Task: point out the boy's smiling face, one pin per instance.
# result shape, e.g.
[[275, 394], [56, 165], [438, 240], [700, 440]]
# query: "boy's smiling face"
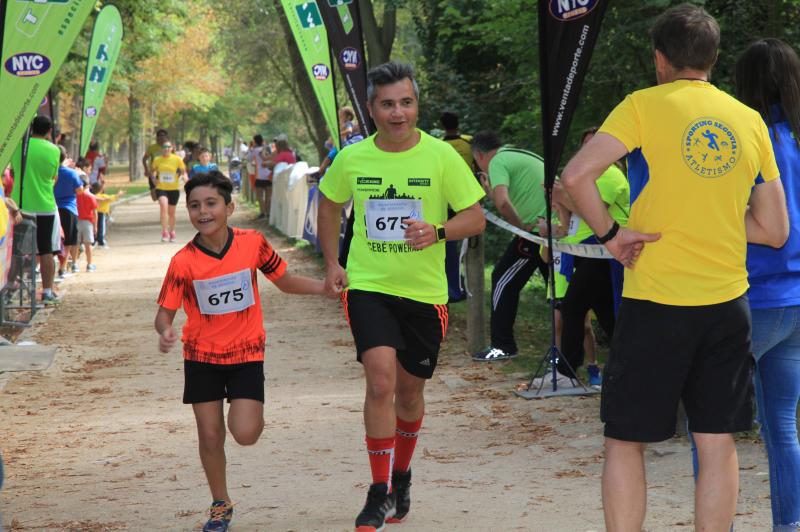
[[208, 211]]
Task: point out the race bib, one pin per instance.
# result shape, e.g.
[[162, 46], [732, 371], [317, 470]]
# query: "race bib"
[[225, 294], [557, 260], [385, 217], [574, 223], [166, 177]]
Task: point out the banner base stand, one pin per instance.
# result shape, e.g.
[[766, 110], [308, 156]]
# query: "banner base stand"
[[546, 387], [560, 392]]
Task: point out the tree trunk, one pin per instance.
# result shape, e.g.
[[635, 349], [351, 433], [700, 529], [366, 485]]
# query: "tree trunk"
[[136, 137], [775, 19], [304, 95], [379, 38]]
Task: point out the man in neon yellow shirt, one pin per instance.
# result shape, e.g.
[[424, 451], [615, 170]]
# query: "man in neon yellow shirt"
[[167, 171], [703, 183], [394, 290]]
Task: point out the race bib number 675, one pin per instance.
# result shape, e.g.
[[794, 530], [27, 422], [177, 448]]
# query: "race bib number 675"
[[385, 217], [226, 293]]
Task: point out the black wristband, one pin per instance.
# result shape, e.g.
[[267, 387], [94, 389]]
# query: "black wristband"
[[611, 234]]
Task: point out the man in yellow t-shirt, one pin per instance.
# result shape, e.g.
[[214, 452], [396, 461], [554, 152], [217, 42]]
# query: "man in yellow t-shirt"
[[167, 171], [153, 151], [394, 291], [703, 182]]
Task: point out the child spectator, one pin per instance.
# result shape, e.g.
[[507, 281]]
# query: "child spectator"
[[97, 163], [205, 165], [104, 202], [68, 186], [87, 224], [214, 278]]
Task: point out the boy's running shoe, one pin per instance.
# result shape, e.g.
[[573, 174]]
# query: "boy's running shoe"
[[50, 299], [91, 268], [75, 268], [595, 377], [379, 507], [172, 236], [164, 236], [401, 487], [219, 517]]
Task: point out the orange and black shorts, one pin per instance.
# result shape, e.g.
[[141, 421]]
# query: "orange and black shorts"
[[414, 329]]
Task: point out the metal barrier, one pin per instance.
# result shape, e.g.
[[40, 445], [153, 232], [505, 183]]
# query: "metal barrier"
[[18, 296]]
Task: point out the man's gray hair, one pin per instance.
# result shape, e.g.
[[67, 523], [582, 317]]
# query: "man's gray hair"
[[389, 73]]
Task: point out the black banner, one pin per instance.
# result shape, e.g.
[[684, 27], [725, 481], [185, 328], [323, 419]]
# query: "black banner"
[[343, 24], [568, 30]]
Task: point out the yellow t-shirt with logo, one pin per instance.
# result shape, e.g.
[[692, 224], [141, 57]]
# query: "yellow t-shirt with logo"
[[694, 155], [166, 169], [386, 187]]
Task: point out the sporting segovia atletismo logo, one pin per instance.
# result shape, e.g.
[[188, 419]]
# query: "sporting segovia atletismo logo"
[[710, 147]]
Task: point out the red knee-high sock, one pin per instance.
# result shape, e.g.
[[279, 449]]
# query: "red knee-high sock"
[[381, 457], [404, 442]]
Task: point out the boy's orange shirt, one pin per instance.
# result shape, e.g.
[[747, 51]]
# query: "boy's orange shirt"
[[219, 294]]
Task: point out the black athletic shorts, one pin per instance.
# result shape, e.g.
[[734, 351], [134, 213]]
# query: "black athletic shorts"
[[69, 224], [172, 195], [48, 236], [415, 330], [661, 354], [263, 183], [211, 382]]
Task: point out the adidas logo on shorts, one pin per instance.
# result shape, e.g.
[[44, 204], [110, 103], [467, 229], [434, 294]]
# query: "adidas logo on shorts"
[[426, 362]]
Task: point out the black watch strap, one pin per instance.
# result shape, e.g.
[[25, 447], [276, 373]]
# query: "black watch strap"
[[441, 234], [611, 234]]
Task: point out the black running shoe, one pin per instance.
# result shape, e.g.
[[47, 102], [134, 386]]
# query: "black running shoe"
[[379, 507], [401, 486]]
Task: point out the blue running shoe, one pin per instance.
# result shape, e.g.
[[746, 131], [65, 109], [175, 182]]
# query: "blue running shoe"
[[595, 377], [220, 515]]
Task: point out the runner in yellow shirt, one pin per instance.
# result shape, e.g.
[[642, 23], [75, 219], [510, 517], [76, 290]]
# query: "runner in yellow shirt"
[[167, 171], [153, 151]]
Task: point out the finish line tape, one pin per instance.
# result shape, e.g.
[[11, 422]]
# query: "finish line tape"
[[591, 251]]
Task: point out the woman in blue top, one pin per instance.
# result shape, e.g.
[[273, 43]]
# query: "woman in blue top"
[[768, 80]]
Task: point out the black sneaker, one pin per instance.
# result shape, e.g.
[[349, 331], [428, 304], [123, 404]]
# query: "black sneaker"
[[379, 507], [401, 486], [491, 354]]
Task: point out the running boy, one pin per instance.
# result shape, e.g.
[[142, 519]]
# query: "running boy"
[[214, 278]]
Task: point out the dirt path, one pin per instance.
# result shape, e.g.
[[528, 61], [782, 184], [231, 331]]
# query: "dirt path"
[[101, 441]]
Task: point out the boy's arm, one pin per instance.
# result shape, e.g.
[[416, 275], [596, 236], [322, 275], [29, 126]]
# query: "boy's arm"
[[166, 333], [298, 284]]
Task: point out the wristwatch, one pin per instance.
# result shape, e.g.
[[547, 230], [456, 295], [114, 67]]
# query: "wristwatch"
[[611, 234], [440, 232]]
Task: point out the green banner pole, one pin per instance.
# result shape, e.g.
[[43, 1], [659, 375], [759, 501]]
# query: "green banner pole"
[[312, 40], [103, 53], [37, 35]]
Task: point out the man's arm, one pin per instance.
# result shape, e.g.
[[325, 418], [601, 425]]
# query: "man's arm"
[[328, 222], [145, 163], [579, 178], [766, 221], [506, 208], [466, 223]]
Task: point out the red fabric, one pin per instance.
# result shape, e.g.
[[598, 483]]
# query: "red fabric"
[[90, 156], [381, 456], [285, 157], [404, 442], [87, 204], [8, 182]]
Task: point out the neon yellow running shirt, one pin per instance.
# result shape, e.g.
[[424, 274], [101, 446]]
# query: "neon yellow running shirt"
[[387, 186]]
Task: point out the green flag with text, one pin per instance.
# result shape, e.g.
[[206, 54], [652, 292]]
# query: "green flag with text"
[[312, 40], [36, 37], [103, 54]]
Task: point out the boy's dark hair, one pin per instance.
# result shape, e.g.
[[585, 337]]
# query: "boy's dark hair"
[[94, 146], [768, 74], [486, 141], [449, 120], [203, 149], [41, 125], [62, 154], [160, 131], [389, 73], [687, 36], [82, 162], [214, 179], [259, 140], [95, 188]]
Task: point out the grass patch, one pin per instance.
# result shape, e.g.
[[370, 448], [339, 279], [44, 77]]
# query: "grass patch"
[[130, 190]]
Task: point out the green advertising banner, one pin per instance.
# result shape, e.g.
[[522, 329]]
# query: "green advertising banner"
[[312, 40], [103, 54], [37, 35]]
